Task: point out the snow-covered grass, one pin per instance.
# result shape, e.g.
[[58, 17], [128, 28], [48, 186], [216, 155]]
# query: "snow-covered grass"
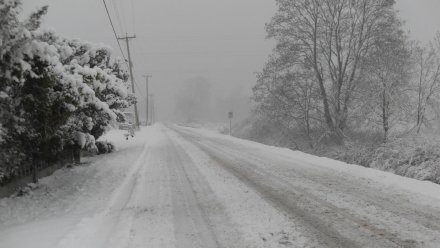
[[271, 133], [59, 201], [416, 157]]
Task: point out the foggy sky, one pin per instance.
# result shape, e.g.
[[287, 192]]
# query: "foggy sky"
[[222, 41]]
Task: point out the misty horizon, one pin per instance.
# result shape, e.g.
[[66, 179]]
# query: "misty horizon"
[[223, 42]]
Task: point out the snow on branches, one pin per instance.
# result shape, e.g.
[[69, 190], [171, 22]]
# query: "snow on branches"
[[53, 90]]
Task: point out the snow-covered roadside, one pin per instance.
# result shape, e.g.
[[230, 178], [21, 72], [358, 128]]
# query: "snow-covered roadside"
[[429, 191], [355, 203], [61, 200]]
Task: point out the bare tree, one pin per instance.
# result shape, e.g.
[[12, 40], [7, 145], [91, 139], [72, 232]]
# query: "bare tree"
[[287, 94], [332, 38], [387, 72], [427, 83]]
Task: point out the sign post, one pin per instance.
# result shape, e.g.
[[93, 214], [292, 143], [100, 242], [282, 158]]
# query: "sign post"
[[230, 115]]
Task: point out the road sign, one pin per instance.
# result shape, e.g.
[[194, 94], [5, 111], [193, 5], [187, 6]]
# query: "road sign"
[[230, 115]]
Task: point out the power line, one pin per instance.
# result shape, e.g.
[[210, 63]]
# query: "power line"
[[127, 62], [133, 16], [123, 12], [114, 31], [118, 17]]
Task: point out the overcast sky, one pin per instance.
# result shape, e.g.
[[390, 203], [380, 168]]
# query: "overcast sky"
[[220, 40]]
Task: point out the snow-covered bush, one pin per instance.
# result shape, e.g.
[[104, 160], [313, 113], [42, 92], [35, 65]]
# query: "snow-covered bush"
[[51, 90], [352, 153], [105, 147], [100, 84], [416, 157]]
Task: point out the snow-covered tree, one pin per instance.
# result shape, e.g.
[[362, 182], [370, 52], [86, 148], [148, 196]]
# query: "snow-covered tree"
[[287, 94], [54, 92], [26, 83], [332, 39], [100, 81], [384, 91], [426, 82]]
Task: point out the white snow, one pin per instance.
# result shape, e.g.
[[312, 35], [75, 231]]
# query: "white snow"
[[159, 188], [70, 197], [259, 223], [80, 138], [387, 179]]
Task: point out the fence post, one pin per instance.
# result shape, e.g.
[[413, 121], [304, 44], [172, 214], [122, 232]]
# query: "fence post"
[[76, 155], [34, 171]]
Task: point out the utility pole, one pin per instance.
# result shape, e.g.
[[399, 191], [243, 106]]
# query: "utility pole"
[[130, 65], [154, 110], [153, 115], [230, 116], [148, 105]]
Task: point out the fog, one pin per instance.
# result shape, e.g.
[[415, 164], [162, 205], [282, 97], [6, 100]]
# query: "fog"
[[221, 43]]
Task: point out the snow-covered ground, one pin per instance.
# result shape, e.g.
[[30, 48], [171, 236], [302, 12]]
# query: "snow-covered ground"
[[174, 186], [61, 201]]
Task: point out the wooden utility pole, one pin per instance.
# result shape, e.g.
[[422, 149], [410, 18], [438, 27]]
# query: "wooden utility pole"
[[152, 108], [147, 101], [130, 65], [230, 116]]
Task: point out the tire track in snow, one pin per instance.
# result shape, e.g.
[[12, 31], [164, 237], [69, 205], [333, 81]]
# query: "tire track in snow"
[[306, 207], [386, 214], [192, 227], [111, 227], [213, 210], [426, 216], [254, 221]]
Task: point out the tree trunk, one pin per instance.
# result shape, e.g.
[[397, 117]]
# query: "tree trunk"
[[76, 152], [34, 172], [385, 118], [320, 79]]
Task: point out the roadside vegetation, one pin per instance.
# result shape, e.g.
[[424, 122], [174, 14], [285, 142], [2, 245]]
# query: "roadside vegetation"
[[346, 81], [56, 93]]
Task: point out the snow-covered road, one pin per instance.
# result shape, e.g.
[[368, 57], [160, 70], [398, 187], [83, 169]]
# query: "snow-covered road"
[[174, 186]]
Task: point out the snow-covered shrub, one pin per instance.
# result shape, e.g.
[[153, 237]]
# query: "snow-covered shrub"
[[104, 147], [352, 153], [416, 157], [270, 132]]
